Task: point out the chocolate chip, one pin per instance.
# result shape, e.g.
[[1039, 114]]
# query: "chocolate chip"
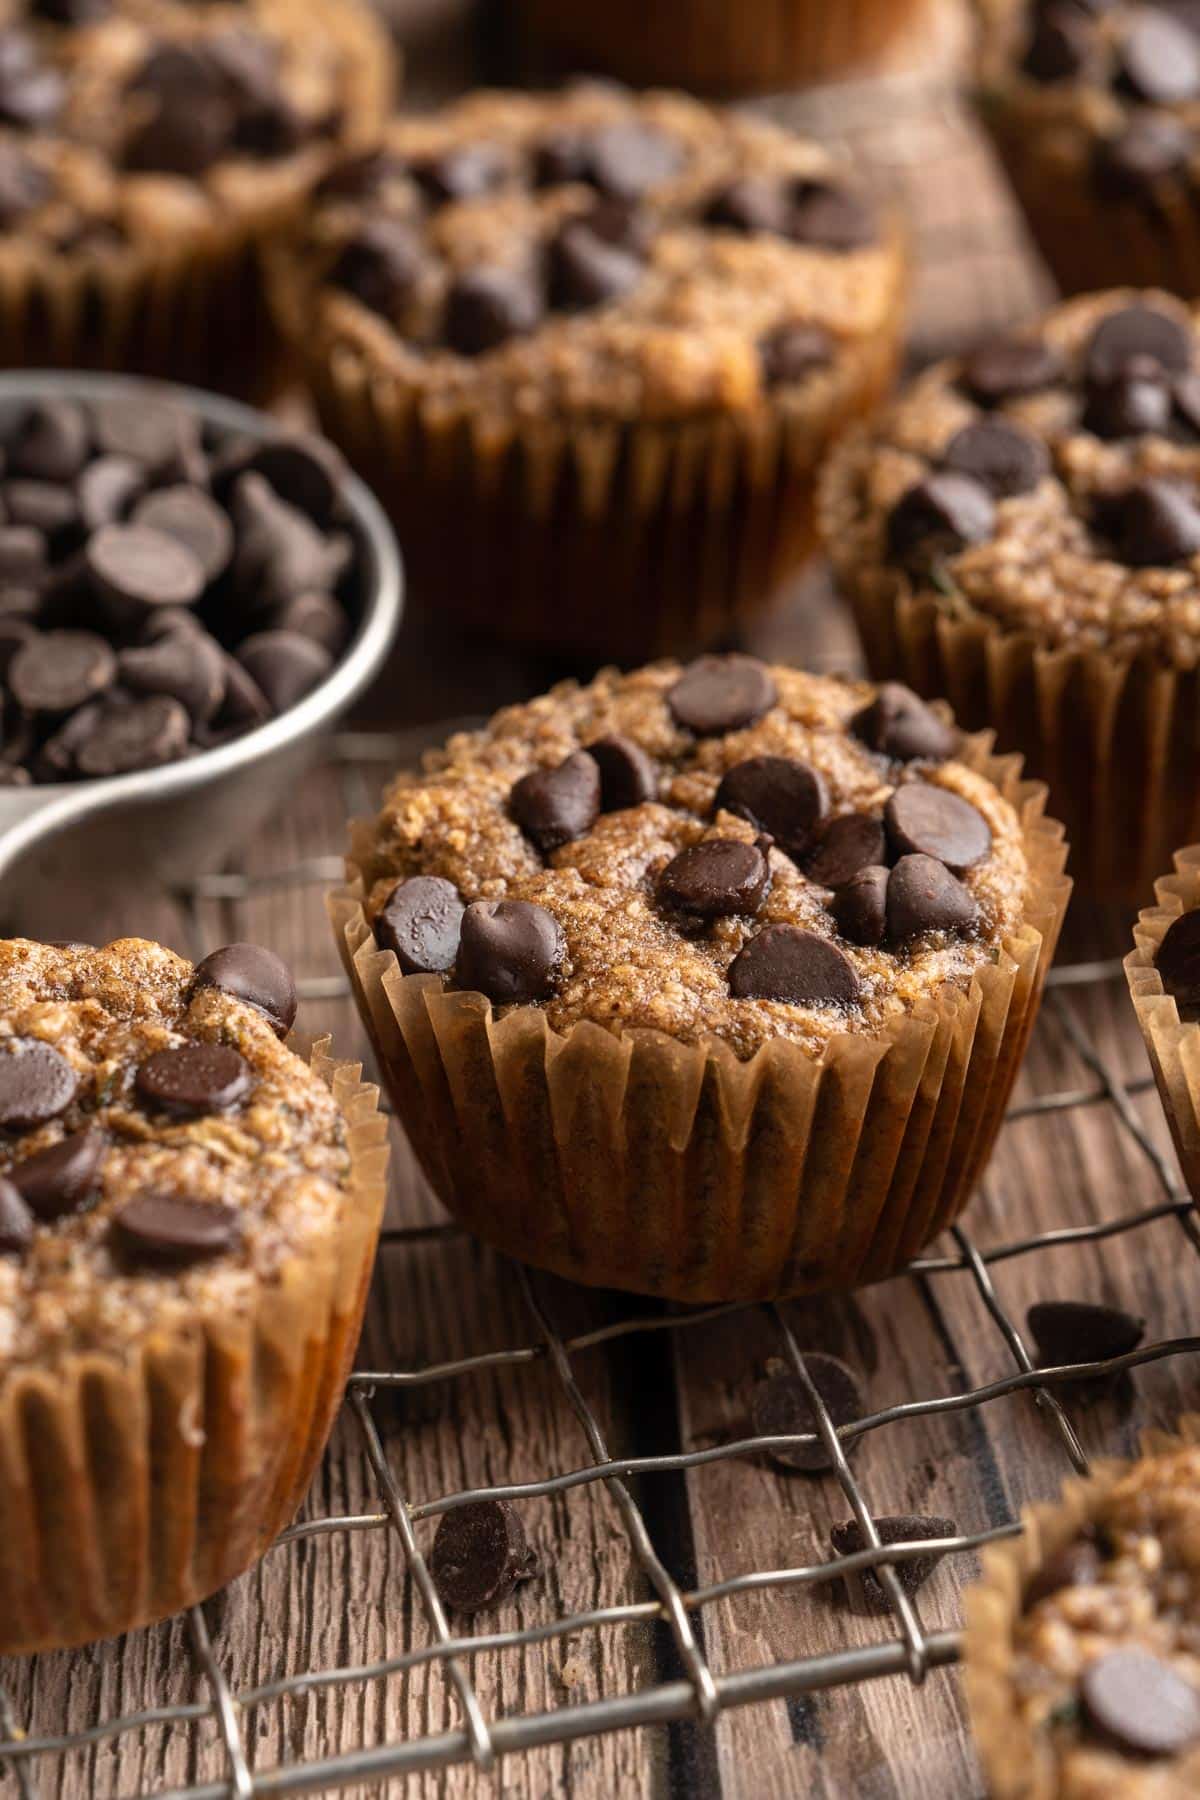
[[1130, 403], [1154, 523], [562, 156], [716, 879], [1140, 1704], [1005, 458], [797, 967], [189, 666], [510, 950], [193, 519], [245, 705], [284, 666], [1010, 369], [51, 443], [716, 694], [831, 218], [462, 172], [163, 1231], [793, 352], [36, 1083], [193, 1080], [1062, 45], [752, 204], [251, 973], [924, 820], [152, 432], [58, 1181], [780, 1406], [56, 671], [1075, 1565], [280, 552], [900, 1528], [380, 265], [479, 1555], [1137, 331], [1178, 959], [315, 616], [179, 139], [626, 160], [124, 738], [16, 1221], [305, 471], [844, 846], [555, 806], [31, 93], [940, 515], [139, 568], [1150, 150], [24, 185], [897, 723], [106, 489], [779, 795], [585, 271], [421, 922], [52, 510], [924, 896], [487, 307], [1080, 1331], [628, 776], [1158, 59], [860, 906]]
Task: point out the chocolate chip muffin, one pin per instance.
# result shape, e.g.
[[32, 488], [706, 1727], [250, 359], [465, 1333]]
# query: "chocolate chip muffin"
[[1082, 1670], [589, 348], [146, 147], [707, 982], [1093, 105], [1021, 532], [1164, 981], [188, 1216]]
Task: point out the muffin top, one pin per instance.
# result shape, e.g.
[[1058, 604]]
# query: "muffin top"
[[163, 1156], [724, 851], [593, 251], [1107, 1652], [1050, 480], [122, 119]]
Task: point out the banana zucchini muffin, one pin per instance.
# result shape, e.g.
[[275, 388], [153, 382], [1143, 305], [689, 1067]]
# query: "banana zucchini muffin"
[[1083, 1640], [1021, 532], [146, 147], [1164, 981], [708, 982], [1094, 106], [590, 347], [188, 1215]]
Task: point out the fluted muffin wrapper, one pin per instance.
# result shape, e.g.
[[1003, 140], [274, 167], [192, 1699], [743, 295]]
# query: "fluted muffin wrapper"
[[639, 1162], [1018, 1761], [131, 1487], [1173, 1044]]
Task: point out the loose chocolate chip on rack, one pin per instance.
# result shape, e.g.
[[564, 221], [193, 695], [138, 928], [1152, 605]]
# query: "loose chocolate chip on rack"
[[193, 1080], [463, 172], [626, 160], [380, 265], [1137, 331], [487, 307], [716, 879], [53, 672], [120, 738], [793, 352], [510, 950], [16, 1221], [1154, 523], [51, 442], [187, 666], [107, 489], [844, 846], [716, 694], [786, 963], [139, 568], [1178, 959], [421, 922], [897, 723], [860, 906], [628, 776], [1140, 1704], [831, 218], [1134, 401], [1005, 458], [555, 806], [193, 519], [479, 1555], [924, 896], [940, 515], [587, 271], [284, 666], [1158, 58], [24, 185], [779, 795], [781, 1406], [164, 1231], [900, 1528], [752, 203], [1134, 163], [256, 975], [924, 820], [1062, 45], [1081, 1331], [57, 1181], [37, 1083], [1075, 1565]]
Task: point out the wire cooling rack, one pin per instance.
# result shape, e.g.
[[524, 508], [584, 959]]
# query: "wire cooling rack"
[[903, 1645]]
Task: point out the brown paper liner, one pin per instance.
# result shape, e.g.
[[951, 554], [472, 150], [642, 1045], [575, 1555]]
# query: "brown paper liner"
[[1172, 1044], [641, 1163], [1019, 1763], [130, 1488]]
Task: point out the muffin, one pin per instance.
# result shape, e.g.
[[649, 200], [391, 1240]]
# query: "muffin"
[[709, 983], [589, 348], [146, 148], [188, 1215], [1095, 111], [1021, 532], [1164, 982], [1082, 1666]]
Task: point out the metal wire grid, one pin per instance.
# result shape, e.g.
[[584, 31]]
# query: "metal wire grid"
[[701, 1694]]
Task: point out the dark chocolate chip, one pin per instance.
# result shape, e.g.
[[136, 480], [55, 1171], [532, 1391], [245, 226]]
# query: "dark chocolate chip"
[[138, 568], [751, 204], [51, 443], [284, 666], [245, 705], [24, 185], [31, 93], [924, 820], [1134, 163], [1075, 1565], [127, 737], [380, 265], [902, 1528], [923, 896], [586, 271], [510, 950], [106, 490], [1081, 1331], [188, 665], [422, 923], [251, 973], [555, 806], [16, 1221], [46, 507], [487, 307], [793, 352], [860, 906], [194, 1080], [148, 430], [1136, 400], [179, 139], [304, 470], [560, 157], [22, 556], [164, 1231], [55, 671], [780, 1406], [1062, 45], [716, 879], [626, 160], [1158, 59], [315, 616], [783, 962], [280, 552], [193, 519], [832, 218], [1005, 458], [1010, 369], [940, 515], [716, 694], [779, 795], [897, 723], [628, 776], [463, 172], [844, 846], [58, 1181], [1178, 959], [1137, 331], [479, 1555], [1140, 1704], [36, 1083], [1154, 523]]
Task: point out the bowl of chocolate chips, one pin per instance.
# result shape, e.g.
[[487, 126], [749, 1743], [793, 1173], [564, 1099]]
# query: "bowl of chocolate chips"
[[190, 594]]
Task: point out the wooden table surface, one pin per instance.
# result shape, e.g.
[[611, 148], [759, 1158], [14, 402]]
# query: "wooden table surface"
[[349, 1598]]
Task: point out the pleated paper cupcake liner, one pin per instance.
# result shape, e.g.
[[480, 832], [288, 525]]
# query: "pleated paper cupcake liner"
[[133, 1487], [1019, 1762], [642, 1163], [1172, 1044]]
